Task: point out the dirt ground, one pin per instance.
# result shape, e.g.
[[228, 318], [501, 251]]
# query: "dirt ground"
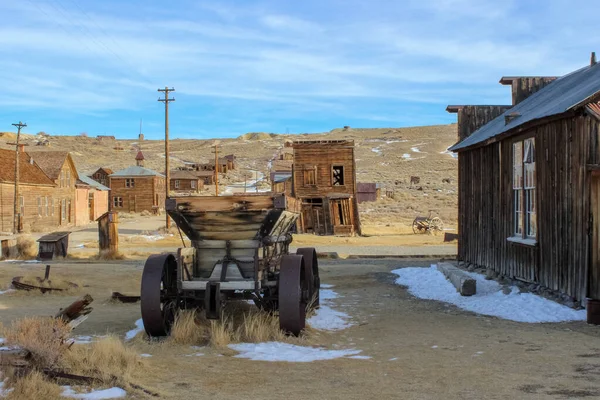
[[420, 349]]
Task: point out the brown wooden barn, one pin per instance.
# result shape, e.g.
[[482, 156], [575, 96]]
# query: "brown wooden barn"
[[183, 181], [137, 189], [529, 183], [60, 168], [324, 181], [101, 176]]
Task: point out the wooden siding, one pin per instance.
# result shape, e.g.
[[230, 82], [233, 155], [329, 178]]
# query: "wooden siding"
[[560, 260], [525, 86], [471, 118], [31, 217], [142, 197], [185, 185], [322, 160]]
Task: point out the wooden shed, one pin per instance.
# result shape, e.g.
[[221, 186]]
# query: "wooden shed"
[[55, 244], [529, 184], [367, 192]]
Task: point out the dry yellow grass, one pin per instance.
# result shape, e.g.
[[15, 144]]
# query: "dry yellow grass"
[[107, 255], [44, 337], [107, 360], [240, 323], [26, 247], [33, 386]]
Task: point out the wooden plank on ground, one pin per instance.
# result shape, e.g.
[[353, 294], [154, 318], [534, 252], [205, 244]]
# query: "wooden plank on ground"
[[462, 281]]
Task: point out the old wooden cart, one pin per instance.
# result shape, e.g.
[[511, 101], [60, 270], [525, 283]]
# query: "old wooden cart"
[[239, 251]]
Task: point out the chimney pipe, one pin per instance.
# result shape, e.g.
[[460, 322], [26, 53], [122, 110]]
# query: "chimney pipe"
[[593, 58]]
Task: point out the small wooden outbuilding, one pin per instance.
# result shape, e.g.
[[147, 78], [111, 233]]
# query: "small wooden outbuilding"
[[55, 244]]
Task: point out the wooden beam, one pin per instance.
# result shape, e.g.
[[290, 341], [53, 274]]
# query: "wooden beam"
[[463, 282]]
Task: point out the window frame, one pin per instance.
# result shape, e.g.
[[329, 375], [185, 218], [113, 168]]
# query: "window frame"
[[333, 168], [130, 183], [117, 202], [193, 184], [177, 183], [307, 173], [524, 192]]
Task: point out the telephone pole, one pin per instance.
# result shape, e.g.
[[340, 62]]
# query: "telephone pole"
[[166, 100], [216, 146], [17, 215]]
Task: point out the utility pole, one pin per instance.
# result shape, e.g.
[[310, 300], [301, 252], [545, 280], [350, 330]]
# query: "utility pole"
[[216, 146], [17, 215], [166, 100]]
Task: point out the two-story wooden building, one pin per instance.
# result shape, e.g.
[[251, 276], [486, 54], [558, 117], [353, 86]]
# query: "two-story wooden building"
[[529, 183], [60, 168], [136, 189], [324, 182]]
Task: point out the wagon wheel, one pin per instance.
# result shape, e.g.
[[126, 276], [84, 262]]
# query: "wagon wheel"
[[159, 294], [436, 225], [293, 294], [417, 226], [311, 267]]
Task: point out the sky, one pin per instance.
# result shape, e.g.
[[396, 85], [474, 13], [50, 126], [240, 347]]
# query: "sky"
[[237, 66]]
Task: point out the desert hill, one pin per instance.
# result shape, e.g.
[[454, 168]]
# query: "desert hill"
[[388, 156]]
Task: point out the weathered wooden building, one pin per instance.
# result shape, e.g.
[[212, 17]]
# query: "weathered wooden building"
[[101, 176], [60, 168], [38, 205], [183, 181], [367, 192], [529, 183], [137, 189], [208, 177], [324, 181], [230, 161], [98, 198]]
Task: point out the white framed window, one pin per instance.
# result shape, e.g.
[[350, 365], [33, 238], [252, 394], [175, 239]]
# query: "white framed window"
[[129, 182], [39, 204], [177, 183], [524, 196], [63, 209], [193, 184], [46, 213]]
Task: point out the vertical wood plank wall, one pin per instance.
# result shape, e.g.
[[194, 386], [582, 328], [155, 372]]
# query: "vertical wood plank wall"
[[560, 260]]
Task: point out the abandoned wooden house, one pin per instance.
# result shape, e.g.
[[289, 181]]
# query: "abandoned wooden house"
[[97, 197], [207, 177], [223, 165], [230, 161], [183, 181], [60, 168], [37, 205], [101, 176], [529, 181], [324, 181], [137, 189]]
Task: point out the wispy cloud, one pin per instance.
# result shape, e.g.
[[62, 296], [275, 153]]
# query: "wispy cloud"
[[311, 64]]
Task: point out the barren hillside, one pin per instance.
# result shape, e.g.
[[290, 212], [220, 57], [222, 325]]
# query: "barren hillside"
[[387, 156]]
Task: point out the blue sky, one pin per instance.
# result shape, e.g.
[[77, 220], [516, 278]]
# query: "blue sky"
[[71, 66]]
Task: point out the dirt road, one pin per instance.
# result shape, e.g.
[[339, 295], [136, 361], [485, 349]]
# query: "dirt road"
[[419, 349]]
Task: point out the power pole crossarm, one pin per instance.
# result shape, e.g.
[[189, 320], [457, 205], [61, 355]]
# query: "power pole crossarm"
[[167, 100], [17, 216]]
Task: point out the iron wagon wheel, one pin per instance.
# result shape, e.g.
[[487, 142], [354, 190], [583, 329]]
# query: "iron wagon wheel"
[[159, 294], [436, 225], [311, 267], [293, 294], [417, 226]]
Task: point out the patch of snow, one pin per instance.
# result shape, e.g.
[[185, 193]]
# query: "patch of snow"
[[429, 283], [112, 393], [376, 150], [79, 246], [327, 294], [415, 150], [195, 355], [326, 285], [145, 355], [406, 156], [1, 340], [361, 357], [4, 392], [277, 351], [6, 291], [32, 261], [82, 339], [393, 359], [328, 319], [434, 347], [139, 327]]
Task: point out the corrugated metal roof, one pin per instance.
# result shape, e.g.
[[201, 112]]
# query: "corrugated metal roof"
[[281, 177], [562, 95], [136, 171], [594, 108], [89, 181]]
